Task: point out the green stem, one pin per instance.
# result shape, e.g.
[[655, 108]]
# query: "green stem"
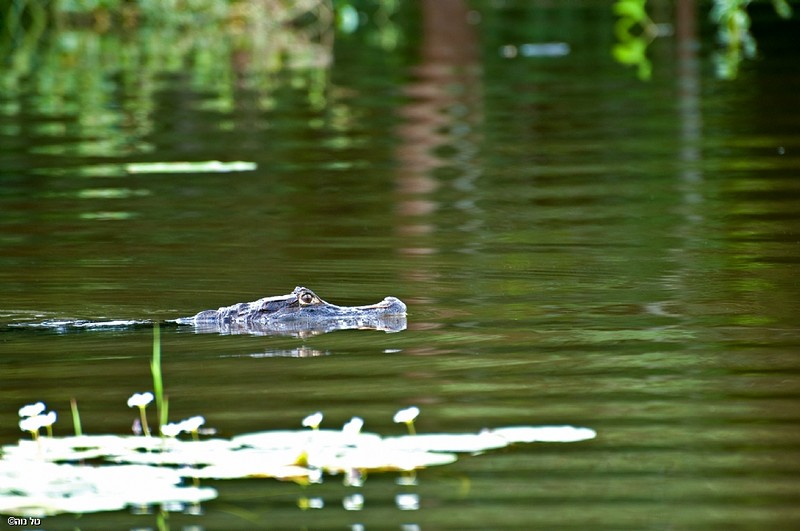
[[158, 382], [143, 416], [76, 417], [164, 413]]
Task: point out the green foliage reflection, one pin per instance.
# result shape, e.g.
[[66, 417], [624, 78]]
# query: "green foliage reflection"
[[104, 62], [733, 33], [69, 52], [635, 31]]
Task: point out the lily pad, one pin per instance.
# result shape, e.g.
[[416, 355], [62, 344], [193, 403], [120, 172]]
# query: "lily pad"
[[247, 468], [445, 442], [380, 458], [529, 434], [304, 438], [40, 488], [36, 480]]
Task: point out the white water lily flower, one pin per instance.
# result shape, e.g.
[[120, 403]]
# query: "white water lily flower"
[[32, 424], [313, 421], [140, 399], [192, 424], [406, 415], [36, 422], [171, 429], [49, 419], [31, 410], [353, 426]]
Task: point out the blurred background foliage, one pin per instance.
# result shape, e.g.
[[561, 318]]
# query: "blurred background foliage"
[[635, 30], [735, 39], [215, 40], [218, 40], [74, 47], [77, 55]]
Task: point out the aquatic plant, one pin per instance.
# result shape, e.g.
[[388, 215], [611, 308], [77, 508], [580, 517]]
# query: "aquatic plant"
[[141, 400], [190, 425], [64, 484], [158, 378], [407, 416], [76, 417], [32, 420], [32, 425], [171, 430], [48, 475], [353, 426], [313, 421], [48, 421], [31, 410]]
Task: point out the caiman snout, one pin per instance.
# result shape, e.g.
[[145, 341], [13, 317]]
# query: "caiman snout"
[[392, 306]]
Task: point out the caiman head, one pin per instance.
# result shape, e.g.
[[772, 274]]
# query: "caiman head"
[[304, 303]]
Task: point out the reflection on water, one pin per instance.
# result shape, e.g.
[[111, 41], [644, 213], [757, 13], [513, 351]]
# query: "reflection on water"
[[574, 246], [438, 132]]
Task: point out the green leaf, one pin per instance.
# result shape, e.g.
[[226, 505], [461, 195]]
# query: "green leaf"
[[633, 9]]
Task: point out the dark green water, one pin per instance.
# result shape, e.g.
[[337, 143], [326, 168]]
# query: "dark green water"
[[575, 246]]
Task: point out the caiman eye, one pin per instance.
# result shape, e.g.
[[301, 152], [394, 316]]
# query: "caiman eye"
[[307, 297]]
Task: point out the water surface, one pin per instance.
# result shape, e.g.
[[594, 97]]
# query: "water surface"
[[575, 246]]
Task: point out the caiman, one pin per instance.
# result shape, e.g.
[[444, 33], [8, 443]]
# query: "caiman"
[[301, 313]]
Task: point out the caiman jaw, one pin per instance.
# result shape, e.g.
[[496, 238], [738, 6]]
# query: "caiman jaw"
[[391, 305]]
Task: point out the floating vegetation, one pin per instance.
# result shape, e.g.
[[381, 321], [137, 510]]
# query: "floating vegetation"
[[48, 475], [32, 487], [90, 473], [141, 400], [407, 416], [32, 420]]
